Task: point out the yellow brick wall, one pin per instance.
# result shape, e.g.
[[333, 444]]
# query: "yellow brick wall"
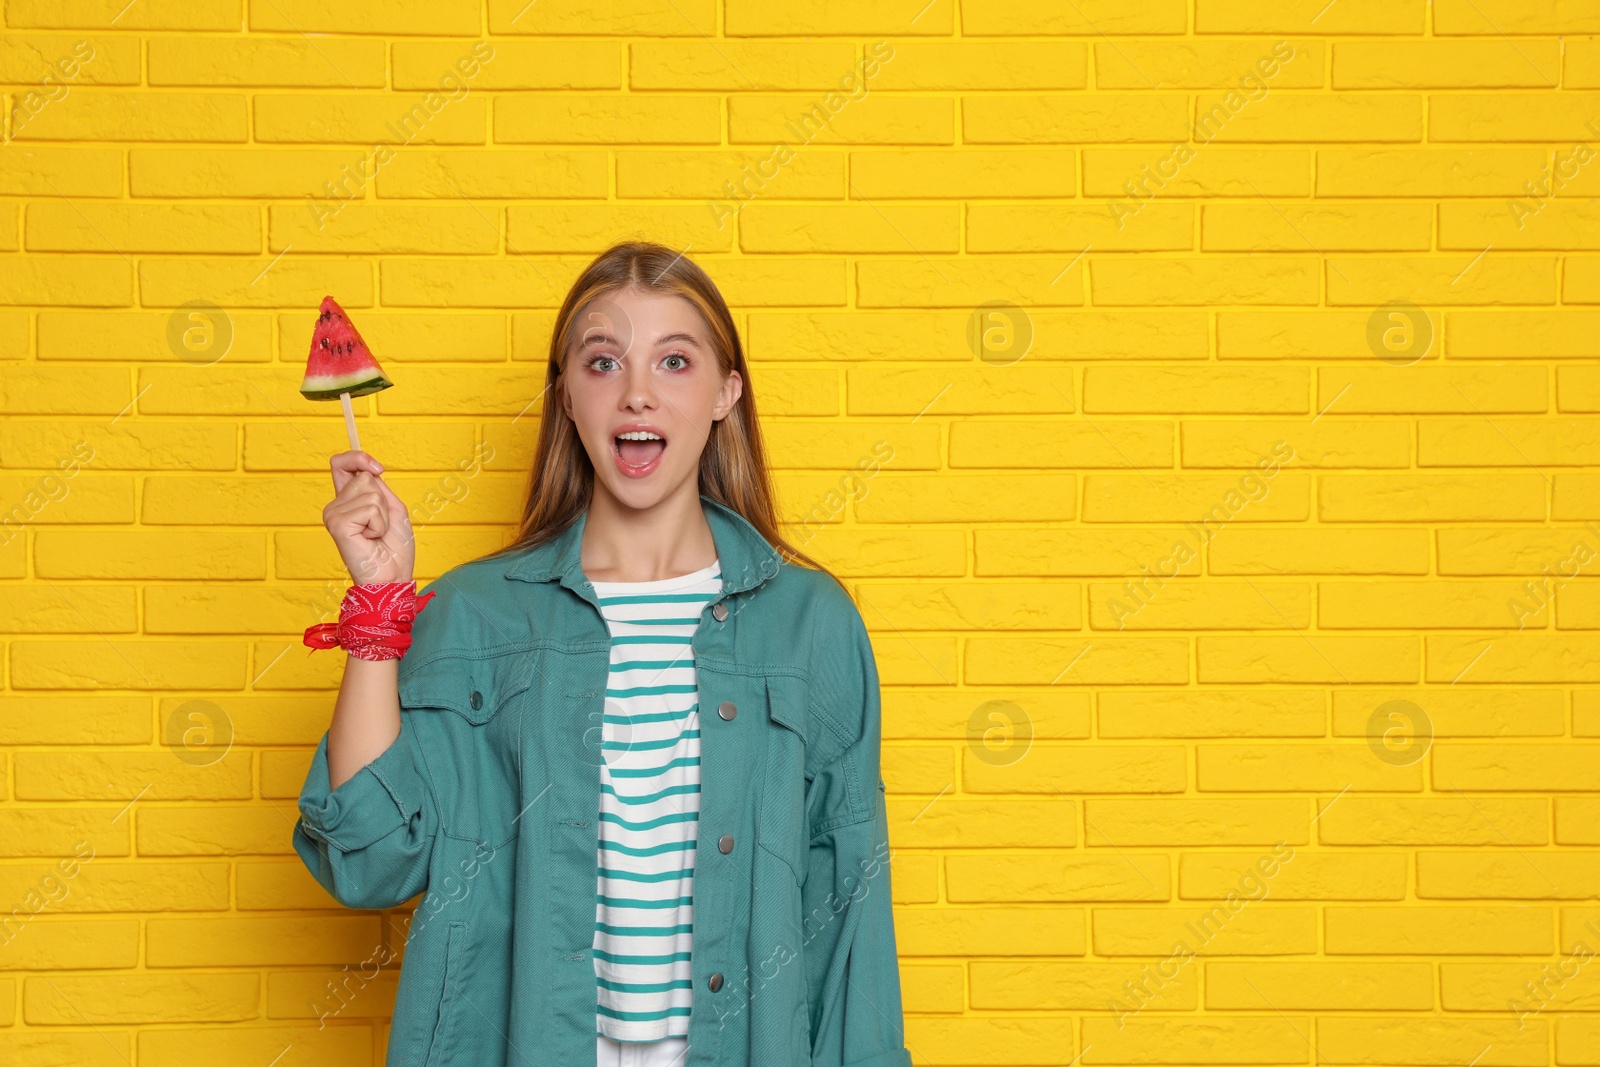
[[1204, 395]]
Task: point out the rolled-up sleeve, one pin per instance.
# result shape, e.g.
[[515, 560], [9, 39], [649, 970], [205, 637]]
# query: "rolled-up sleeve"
[[369, 842], [852, 963]]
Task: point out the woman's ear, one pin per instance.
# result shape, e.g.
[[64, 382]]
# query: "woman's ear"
[[732, 389]]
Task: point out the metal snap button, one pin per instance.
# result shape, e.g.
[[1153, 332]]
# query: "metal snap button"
[[725, 844], [727, 710], [719, 611], [715, 981], [476, 700]]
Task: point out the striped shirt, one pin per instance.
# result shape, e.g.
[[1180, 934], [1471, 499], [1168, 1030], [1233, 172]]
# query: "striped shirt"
[[649, 806]]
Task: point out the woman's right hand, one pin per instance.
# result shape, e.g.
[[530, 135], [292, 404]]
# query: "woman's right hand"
[[368, 522]]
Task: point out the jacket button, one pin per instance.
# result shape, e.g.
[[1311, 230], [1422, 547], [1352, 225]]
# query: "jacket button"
[[725, 844], [715, 981], [727, 710], [476, 700], [719, 611]]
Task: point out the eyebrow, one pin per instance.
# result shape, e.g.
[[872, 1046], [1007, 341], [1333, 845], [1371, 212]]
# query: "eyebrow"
[[599, 336]]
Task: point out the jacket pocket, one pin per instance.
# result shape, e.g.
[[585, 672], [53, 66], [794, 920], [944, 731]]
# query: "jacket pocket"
[[467, 714], [781, 814], [449, 1002]]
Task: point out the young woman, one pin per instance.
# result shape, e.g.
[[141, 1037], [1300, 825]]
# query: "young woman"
[[633, 758]]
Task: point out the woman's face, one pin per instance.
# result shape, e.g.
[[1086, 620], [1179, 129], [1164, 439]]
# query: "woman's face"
[[640, 364]]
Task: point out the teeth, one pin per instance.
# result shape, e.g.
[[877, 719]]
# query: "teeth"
[[640, 435]]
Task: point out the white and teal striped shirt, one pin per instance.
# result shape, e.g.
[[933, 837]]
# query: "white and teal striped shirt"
[[649, 806]]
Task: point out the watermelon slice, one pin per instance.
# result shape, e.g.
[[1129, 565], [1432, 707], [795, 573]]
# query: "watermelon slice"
[[340, 361]]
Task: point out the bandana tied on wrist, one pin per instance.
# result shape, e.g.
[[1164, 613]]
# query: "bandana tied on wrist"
[[374, 621]]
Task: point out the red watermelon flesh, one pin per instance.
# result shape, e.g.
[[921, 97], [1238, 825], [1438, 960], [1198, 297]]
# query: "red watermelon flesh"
[[340, 361]]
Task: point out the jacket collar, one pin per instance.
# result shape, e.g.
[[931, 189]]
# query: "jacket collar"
[[747, 559]]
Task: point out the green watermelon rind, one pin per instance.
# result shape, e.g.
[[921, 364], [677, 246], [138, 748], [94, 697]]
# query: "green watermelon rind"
[[329, 386]]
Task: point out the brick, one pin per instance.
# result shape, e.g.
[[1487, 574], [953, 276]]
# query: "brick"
[[1205, 503], [264, 281], [1125, 551], [122, 445], [448, 66], [1440, 64], [91, 609], [1058, 986], [781, 228], [1020, 18], [174, 1047], [686, 20], [1257, 227], [1568, 334], [1076, 661], [1079, 769], [1430, 930], [1501, 17], [1552, 553], [1362, 17], [328, 62], [1517, 658], [382, 125], [974, 64], [725, 179], [1419, 605], [746, 65], [1457, 711], [1009, 332], [623, 118], [1301, 767], [141, 336], [574, 227], [131, 115], [829, 17], [1044, 445], [524, 173], [1241, 928], [1559, 767], [384, 228], [1041, 876], [1237, 1040], [1320, 550], [74, 999], [1204, 280], [1523, 988], [1499, 1043], [1510, 116], [1154, 603], [1322, 660], [1509, 442], [190, 171], [1059, 118], [1235, 118], [193, 941], [1461, 278], [488, 283], [60, 944], [396, 17], [1040, 228], [897, 498], [962, 173], [131, 664], [993, 931], [123, 228], [1430, 497], [1433, 389], [1306, 875], [1506, 875], [1577, 820], [994, 717], [1140, 173], [107, 885], [1196, 821], [1318, 986], [1443, 171], [151, 554], [1202, 64], [1211, 713], [1245, 443], [68, 281]]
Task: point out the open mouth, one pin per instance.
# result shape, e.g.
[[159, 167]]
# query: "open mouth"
[[639, 448]]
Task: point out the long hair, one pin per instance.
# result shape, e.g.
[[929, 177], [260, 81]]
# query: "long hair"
[[733, 465]]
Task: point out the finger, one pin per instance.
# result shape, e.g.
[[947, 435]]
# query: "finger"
[[349, 462]]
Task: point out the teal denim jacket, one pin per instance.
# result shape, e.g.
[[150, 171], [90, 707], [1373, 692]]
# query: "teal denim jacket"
[[488, 803]]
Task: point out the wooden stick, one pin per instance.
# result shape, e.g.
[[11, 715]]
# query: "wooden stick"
[[350, 421]]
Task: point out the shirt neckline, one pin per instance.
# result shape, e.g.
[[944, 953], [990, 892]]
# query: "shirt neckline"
[[662, 585]]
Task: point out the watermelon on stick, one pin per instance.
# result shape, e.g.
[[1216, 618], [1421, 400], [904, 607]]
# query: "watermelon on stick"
[[340, 364]]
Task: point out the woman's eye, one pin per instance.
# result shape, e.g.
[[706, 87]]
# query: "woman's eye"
[[595, 363], [683, 360]]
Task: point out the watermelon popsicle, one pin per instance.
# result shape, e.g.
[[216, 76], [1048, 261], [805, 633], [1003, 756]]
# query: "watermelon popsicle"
[[340, 364]]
